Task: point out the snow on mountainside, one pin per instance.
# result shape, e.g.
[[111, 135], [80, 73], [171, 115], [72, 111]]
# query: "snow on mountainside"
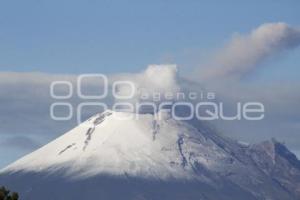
[[152, 157], [110, 143]]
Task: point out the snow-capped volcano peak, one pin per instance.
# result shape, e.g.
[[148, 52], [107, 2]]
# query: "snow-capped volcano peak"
[[125, 143]]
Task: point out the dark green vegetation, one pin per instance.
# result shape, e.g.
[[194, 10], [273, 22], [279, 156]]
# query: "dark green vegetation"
[[5, 194]]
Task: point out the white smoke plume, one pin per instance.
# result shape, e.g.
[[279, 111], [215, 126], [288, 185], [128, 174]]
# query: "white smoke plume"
[[152, 84], [244, 52]]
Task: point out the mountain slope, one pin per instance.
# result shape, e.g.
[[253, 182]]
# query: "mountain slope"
[[143, 157]]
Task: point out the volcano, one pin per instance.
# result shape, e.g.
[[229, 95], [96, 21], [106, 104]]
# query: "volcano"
[[118, 155]]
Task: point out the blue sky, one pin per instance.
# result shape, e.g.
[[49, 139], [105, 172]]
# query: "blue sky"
[[113, 36], [73, 37]]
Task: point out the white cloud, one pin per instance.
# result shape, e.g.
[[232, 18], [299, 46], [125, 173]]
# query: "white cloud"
[[25, 97]]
